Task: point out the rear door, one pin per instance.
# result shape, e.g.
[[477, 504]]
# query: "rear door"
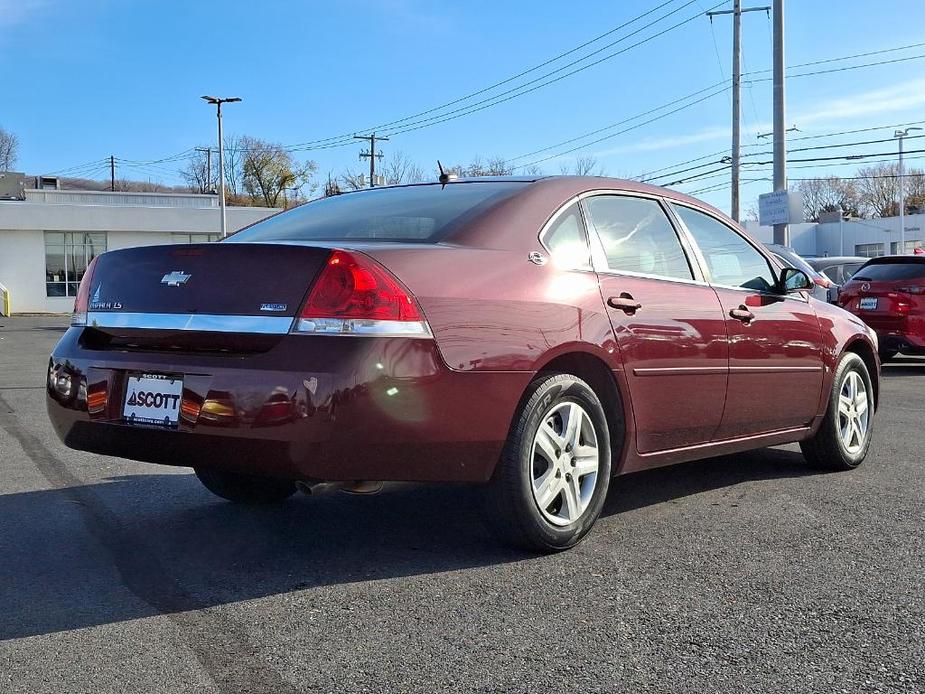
[[775, 342], [667, 321]]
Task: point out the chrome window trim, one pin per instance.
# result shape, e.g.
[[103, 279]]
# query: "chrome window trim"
[[202, 322], [599, 256], [544, 231]]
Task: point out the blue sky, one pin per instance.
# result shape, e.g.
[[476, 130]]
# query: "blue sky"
[[83, 80]]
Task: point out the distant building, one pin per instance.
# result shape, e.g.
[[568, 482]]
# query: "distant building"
[[869, 238], [47, 240]]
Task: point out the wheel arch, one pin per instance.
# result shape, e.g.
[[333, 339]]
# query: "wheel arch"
[[867, 354], [596, 373]]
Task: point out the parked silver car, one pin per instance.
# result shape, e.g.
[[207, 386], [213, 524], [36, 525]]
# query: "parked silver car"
[[838, 268], [790, 258]]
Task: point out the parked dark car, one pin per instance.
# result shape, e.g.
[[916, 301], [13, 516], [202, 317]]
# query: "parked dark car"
[[788, 257], [888, 293], [838, 269], [537, 336]]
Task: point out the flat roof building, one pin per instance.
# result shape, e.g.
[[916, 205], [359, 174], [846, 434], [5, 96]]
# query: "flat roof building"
[[47, 240]]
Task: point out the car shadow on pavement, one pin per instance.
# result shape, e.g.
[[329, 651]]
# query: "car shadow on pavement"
[[141, 545]]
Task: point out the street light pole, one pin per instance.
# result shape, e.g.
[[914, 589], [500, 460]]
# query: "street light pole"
[[902, 190], [221, 154]]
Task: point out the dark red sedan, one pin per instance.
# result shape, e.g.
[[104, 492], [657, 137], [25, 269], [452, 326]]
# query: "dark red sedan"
[[540, 336]]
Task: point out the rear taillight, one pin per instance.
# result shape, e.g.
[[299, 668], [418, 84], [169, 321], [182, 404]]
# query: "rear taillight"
[[355, 295], [911, 290], [82, 301], [822, 281]]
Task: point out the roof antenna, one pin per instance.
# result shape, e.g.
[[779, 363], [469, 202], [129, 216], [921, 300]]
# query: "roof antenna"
[[445, 176]]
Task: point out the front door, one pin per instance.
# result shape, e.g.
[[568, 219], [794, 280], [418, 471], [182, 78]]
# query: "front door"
[[775, 342], [668, 323]]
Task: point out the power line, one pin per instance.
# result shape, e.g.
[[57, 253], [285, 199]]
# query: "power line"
[[846, 57], [521, 91]]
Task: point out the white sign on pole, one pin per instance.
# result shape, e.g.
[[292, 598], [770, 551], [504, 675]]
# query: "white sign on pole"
[[780, 207]]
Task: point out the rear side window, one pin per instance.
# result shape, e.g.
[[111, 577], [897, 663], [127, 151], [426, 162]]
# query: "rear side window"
[[731, 259], [566, 240], [891, 271], [637, 236], [424, 213]]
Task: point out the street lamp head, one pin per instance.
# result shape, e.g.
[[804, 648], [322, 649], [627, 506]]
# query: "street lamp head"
[[217, 100], [904, 133]]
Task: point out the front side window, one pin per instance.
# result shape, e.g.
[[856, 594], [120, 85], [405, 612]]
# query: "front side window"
[[637, 237], [67, 254], [567, 241], [731, 260]]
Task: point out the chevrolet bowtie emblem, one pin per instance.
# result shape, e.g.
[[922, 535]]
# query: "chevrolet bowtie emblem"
[[175, 278]]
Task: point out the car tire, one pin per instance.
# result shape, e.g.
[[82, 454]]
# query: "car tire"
[[837, 445], [552, 467], [245, 489]]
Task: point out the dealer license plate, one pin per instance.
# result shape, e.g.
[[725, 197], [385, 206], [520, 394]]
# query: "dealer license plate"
[[153, 399], [868, 303]]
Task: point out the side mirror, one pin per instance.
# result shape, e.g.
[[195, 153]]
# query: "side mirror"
[[793, 280]]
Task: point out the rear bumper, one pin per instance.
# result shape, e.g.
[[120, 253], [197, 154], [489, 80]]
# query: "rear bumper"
[[311, 407]]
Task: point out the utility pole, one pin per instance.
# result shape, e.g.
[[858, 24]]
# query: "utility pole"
[[112, 171], [371, 154], [208, 151], [781, 231], [221, 154], [902, 190], [736, 13]]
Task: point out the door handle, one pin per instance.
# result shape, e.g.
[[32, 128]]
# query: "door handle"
[[625, 302], [742, 314]]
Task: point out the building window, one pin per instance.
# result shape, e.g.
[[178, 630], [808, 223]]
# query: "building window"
[[910, 247], [67, 254], [869, 250], [195, 238]]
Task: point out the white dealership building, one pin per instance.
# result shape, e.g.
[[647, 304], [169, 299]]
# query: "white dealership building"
[[47, 239]]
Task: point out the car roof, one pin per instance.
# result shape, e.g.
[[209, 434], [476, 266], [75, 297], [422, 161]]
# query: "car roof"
[[891, 259], [836, 260]]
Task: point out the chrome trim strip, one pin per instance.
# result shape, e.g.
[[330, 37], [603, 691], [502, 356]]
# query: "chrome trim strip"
[[681, 371], [773, 369], [201, 322]]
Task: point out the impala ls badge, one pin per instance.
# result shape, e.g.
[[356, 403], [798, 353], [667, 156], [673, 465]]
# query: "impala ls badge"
[[175, 278]]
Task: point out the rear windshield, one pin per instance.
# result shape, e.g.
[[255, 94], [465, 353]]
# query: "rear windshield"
[[425, 213], [891, 271]]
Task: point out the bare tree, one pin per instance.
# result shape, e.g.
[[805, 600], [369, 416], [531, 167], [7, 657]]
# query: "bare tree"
[[829, 194], [532, 170], [878, 186], [399, 168], [494, 166], [9, 149], [583, 166], [197, 175], [270, 172], [353, 181], [235, 151]]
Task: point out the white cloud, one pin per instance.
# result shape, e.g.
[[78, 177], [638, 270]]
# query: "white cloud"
[[898, 97]]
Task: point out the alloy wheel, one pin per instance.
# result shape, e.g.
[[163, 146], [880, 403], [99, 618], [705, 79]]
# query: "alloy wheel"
[[853, 412], [565, 463]]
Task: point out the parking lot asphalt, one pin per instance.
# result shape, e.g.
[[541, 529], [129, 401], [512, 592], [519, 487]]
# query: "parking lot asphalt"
[[742, 573]]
